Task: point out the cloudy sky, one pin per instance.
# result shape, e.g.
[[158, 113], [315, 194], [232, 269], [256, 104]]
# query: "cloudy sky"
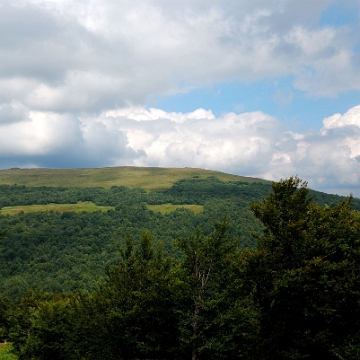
[[264, 88]]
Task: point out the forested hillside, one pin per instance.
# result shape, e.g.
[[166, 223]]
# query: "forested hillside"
[[290, 293], [59, 250]]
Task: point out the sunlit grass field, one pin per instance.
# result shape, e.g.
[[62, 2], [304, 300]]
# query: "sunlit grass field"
[[5, 352], [147, 178], [168, 208], [80, 206]]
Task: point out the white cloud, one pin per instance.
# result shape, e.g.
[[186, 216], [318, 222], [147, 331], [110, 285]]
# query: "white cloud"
[[253, 144], [198, 138], [329, 159], [39, 134], [97, 55], [75, 75], [351, 117]]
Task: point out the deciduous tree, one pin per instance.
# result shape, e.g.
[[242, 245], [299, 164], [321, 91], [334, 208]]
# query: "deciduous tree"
[[218, 319], [306, 270]]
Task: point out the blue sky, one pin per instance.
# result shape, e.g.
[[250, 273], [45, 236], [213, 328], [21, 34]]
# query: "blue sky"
[[276, 97], [266, 88], [340, 13]]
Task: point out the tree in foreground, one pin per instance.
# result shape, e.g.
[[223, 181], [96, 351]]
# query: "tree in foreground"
[[41, 326], [217, 316], [132, 315], [5, 307], [306, 270], [154, 307]]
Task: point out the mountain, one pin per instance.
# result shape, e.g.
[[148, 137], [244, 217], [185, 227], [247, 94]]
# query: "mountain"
[[64, 226], [148, 178]]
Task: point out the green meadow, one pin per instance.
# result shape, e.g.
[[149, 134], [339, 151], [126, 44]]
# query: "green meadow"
[[80, 206], [148, 178], [168, 208]]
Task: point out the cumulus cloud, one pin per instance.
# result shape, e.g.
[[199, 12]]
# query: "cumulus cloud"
[[75, 77], [328, 159], [48, 139], [253, 144], [94, 55]]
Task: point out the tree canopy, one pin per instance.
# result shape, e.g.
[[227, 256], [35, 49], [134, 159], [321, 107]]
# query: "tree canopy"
[[296, 295], [306, 269]]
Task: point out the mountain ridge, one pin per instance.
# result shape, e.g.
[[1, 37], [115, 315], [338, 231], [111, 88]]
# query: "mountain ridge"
[[148, 178]]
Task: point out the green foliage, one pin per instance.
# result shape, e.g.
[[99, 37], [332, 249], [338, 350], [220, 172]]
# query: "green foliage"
[[217, 316], [55, 251], [5, 309], [40, 326], [305, 270], [132, 315], [149, 306], [6, 352], [211, 294]]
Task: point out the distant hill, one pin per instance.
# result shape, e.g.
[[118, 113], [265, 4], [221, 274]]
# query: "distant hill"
[[63, 227], [148, 178]]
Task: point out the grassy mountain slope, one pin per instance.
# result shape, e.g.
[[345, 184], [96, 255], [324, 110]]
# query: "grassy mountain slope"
[[148, 178]]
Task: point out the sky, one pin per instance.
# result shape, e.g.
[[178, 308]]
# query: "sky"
[[261, 88]]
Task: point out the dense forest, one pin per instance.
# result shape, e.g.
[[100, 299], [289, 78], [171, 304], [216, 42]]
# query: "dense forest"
[[55, 251], [263, 272], [65, 251]]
